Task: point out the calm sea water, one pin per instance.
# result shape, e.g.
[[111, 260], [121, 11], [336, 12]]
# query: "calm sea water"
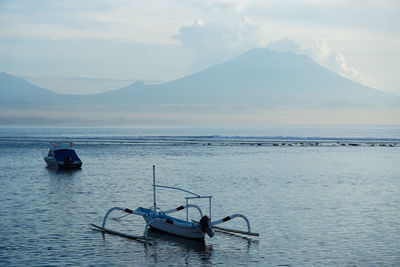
[[314, 199]]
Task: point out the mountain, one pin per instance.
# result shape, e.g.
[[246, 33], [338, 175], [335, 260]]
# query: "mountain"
[[260, 85], [17, 90], [258, 77]]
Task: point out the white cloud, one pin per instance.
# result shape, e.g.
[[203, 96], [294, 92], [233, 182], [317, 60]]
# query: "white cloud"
[[354, 74], [285, 45], [215, 42], [321, 53], [119, 20]]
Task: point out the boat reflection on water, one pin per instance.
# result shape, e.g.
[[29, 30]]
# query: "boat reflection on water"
[[54, 172], [192, 244], [167, 249]]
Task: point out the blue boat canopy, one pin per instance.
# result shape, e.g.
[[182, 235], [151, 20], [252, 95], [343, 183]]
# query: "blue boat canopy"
[[61, 154]]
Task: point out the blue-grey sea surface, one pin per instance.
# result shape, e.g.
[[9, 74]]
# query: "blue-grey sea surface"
[[317, 196]]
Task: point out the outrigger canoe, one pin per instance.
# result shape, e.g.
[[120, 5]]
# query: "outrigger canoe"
[[160, 220]]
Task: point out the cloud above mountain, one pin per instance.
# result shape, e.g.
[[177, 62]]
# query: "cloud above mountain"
[[214, 42], [321, 53]]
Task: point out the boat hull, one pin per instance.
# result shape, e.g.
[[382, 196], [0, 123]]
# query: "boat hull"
[[53, 163], [190, 230]]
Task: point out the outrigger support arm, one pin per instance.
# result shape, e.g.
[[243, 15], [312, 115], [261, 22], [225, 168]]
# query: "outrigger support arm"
[[103, 229], [118, 208], [227, 218], [184, 207], [146, 228]]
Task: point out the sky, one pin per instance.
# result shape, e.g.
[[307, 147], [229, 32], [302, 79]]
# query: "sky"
[[87, 46]]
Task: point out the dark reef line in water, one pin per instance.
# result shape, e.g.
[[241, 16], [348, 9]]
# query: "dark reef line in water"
[[213, 141]]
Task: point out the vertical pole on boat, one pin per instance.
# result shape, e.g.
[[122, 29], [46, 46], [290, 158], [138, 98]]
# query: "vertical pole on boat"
[[187, 209], [154, 188], [209, 204]]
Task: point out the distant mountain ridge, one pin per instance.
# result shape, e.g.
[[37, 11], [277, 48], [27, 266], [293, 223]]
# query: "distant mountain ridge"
[[260, 81], [257, 77], [17, 89]]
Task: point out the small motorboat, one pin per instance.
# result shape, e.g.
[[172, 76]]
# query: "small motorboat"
[[62, 156], [160, 220]]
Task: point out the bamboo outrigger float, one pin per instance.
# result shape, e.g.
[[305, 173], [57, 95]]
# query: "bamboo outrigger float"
[[184, 228]]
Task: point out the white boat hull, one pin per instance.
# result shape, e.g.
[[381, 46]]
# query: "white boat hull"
[[190, 230]]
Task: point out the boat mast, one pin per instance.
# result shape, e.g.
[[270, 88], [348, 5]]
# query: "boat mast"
[[154, 188]]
